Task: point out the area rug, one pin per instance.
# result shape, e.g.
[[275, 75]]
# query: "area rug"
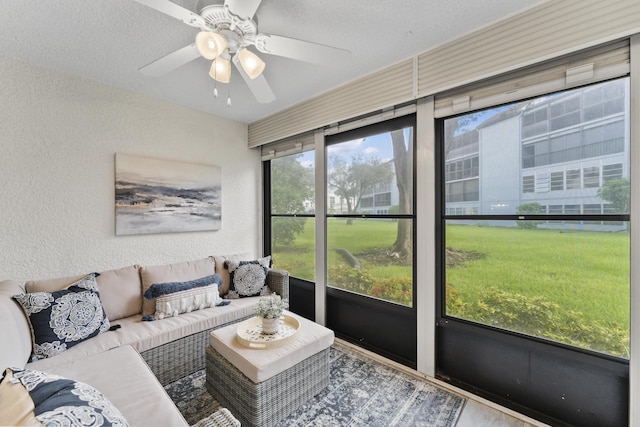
[[361, 392]]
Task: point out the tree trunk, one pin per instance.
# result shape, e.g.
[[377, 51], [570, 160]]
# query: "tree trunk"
[[401, 160]]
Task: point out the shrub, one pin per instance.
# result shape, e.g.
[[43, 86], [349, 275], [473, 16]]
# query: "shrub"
[[539, 317], [397, 289], [531, 208]]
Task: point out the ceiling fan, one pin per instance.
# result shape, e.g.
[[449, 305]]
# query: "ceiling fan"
[[226, 32]]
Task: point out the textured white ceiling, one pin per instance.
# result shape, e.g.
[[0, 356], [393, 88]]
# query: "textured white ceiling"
[[108, 40]]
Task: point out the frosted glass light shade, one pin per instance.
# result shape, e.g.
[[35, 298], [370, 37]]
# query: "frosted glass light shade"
[[210, 45], [221, 70], [251, 63]]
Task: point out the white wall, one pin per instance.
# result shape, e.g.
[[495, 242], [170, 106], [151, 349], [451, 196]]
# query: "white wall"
[[58, 138]]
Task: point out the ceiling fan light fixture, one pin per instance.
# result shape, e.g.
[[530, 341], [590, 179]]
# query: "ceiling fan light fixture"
[[210, 45], [251, 63], [221, 70]]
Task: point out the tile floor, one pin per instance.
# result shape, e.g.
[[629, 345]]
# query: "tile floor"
[[475, 414]]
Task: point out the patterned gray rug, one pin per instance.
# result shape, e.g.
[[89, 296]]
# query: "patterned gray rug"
[[361, 392]]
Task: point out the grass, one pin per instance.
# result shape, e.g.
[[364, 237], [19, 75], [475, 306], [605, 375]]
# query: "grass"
[[585, 273], [299, 258], [580, 271]]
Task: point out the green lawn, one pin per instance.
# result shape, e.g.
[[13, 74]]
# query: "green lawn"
[[299, 258], [568, 286], [586, 272]]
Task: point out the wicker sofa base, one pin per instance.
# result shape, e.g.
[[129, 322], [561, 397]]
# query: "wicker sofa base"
[[177, 359], [266, 403]]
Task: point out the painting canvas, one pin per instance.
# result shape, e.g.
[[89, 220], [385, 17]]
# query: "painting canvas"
[[166, 196]]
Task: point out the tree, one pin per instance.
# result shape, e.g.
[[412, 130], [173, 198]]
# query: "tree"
[[402, 162], [291, 187], [351, 180], [618, 193], [530, 208]]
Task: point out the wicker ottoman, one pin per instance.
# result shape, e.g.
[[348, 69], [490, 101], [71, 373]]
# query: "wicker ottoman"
[[263, 386]]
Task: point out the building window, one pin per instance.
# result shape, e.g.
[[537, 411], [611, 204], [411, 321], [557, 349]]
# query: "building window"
[[573, 179], [565, 113], [366, 202], [535, 123], [565, 148], [571, 209], [557, 181], [528, 184], [584, 116], [591, 209], [592, 177], [383, 199], [611, 172], [599, 102]]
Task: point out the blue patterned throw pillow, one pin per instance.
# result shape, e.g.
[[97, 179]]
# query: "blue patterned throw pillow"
[[248, 278], [57, 401], [61, 319]]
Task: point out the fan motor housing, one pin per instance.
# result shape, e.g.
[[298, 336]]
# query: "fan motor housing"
[[219, 19]]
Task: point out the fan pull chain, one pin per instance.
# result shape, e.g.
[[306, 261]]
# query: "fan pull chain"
[[229, 99]]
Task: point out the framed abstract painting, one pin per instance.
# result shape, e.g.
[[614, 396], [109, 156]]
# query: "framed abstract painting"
[[165, 196]]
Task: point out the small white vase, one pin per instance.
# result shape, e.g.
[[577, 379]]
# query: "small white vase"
[[270, 326]]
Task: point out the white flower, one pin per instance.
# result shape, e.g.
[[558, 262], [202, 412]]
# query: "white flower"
[[271, 307]]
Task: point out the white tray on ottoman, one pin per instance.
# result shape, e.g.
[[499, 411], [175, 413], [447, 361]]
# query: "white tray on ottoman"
[[263, 386]]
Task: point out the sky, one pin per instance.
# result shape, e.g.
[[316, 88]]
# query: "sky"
[[378, 146]]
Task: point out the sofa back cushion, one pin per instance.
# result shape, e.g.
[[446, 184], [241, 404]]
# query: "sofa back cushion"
[[120, 290], [15, 348], [224, 272], [178, 272]]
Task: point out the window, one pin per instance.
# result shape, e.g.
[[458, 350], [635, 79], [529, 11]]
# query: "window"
[[571, 209], [599, 103], [548, 278], [575, 133], [292, 217], [565, 113], [565, 148], [557, 181], [463, 191], [535, 123], [592, 177], [611, 172], [528, 184], [573, 179], [590, 209], [383, 199], [370, 252]]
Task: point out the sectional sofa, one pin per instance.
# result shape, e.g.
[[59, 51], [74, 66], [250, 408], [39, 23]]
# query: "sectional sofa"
[[154, 331]]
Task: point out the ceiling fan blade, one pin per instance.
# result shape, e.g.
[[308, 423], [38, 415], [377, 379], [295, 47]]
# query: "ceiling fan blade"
[[301, 50], [170, 62], [243, 9], [258, 86], [169, 8]]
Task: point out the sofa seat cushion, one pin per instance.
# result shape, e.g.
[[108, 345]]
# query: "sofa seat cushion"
[[123, 377], [146, 335]]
